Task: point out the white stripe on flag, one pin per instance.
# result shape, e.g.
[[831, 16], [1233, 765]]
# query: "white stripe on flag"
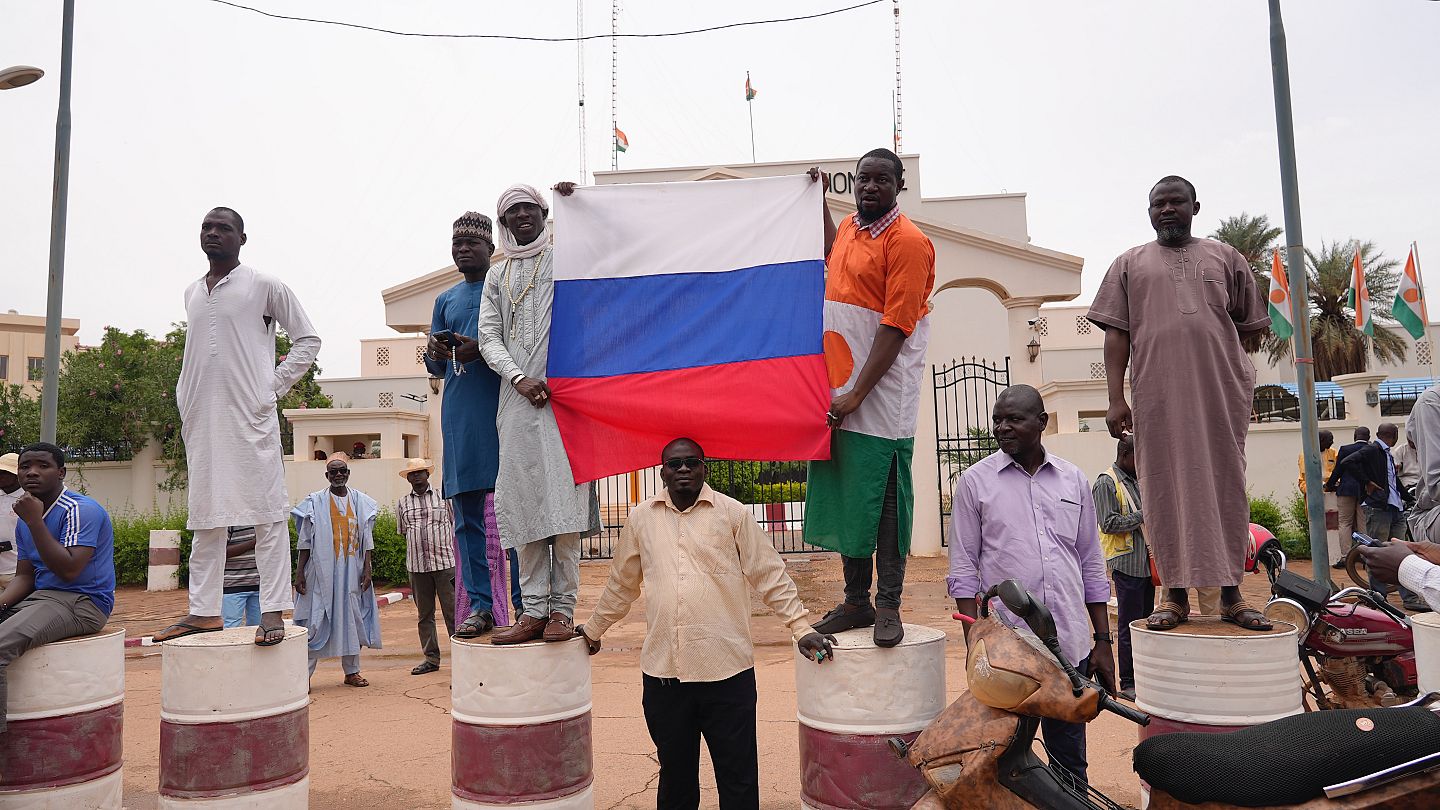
[[687, 227]]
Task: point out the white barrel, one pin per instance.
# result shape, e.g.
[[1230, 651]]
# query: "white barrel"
[[235, 722], [520, 735], [164, 571], [1213, 673], [65, 713], [1426, 629], [850, 707]]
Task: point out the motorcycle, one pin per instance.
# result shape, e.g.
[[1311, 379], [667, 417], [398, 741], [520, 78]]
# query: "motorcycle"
[[979, 752], [1356, 649]]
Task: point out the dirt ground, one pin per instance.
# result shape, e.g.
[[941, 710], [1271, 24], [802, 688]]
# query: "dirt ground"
[[388, 746]]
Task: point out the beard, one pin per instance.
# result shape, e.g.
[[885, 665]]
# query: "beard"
[[1171, 233]]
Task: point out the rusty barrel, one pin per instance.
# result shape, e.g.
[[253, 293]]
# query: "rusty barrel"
[[851, 706], [66, 711], [234, 722], [1209, 676], [520, 735]]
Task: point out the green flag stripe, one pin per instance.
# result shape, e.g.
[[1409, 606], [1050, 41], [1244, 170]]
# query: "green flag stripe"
[[1408, 318], [1280, 323]]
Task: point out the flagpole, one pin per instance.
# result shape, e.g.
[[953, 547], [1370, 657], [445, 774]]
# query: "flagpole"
[[1299, 296], [1424, 308], [750, 105]]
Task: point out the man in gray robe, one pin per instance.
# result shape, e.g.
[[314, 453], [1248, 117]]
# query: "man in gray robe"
[[539, 507], [1182, 313]]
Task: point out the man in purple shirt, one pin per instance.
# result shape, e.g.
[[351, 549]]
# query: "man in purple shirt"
[[1024, 514]]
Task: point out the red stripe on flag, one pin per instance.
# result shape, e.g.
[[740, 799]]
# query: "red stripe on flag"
[[763, 410]]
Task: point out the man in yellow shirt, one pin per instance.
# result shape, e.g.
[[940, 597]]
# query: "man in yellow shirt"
[[1328, 454], [695, 549]]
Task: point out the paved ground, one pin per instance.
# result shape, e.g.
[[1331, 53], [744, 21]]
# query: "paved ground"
[[388, 746]]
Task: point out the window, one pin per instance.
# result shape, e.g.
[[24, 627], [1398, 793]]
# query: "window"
[[1042, 327], [1097, 371], [386, 399], [35, 368], [4, 368], [419, 355], [1082, 325], [382, 356]]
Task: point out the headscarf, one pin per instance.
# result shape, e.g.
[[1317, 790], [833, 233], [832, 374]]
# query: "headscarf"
[[474, 225], [521, 193]]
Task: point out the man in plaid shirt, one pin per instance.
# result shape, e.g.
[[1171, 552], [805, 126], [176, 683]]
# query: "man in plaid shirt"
[[428, 524]]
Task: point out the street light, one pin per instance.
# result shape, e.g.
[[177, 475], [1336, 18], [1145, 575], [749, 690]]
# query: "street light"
[[19, 76]]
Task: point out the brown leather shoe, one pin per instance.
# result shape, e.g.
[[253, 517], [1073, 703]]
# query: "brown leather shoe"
[[528, 628], [559, 628]]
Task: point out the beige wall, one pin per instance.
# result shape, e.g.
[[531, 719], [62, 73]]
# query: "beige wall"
[[23, 337], [392, 356]]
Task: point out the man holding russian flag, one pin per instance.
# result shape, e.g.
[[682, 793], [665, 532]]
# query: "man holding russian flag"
[[880, 270]]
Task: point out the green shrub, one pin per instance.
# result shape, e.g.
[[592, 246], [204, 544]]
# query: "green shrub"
[[387, 562], [1296, 545], [1266, 512], [778, 493], [1299, 517], [734, 478]]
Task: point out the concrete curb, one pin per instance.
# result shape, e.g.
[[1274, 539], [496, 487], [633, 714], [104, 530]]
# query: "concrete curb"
[[380, 599]]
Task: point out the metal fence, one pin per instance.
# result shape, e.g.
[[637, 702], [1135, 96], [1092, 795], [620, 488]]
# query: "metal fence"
[[773, 490], [965, 393]]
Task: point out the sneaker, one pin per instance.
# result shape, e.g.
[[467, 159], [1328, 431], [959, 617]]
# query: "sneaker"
[[888, 629], [845, 616]]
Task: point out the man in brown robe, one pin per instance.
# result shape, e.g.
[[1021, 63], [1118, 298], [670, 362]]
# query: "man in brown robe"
[[1182, 313]]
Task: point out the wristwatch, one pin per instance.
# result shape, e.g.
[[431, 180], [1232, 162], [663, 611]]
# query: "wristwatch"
[[1105, 637]]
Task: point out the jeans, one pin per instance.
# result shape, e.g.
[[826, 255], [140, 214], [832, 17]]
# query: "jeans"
[[550, 575], [678, 714], [888, 562], [1134, 599], [241, 609], [1066, 741]]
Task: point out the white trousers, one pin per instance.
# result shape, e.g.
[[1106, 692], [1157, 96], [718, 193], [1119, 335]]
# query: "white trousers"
[[207, 568]]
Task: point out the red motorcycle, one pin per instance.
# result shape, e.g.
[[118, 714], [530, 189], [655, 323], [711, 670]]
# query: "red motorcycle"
[[1356, 649]]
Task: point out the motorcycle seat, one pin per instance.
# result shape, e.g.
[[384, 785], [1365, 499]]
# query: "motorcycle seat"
[[1287, 761]]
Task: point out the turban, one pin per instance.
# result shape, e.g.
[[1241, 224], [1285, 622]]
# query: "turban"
[[521, 193], [475, 225]]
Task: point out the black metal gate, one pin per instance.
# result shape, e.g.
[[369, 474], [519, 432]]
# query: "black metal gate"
[[773, 490], [965, 392]]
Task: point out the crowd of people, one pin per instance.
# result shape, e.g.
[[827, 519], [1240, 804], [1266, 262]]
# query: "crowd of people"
[[498, 544]]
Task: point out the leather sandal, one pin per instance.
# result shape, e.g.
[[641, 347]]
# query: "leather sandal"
[[1242, 615], [1168, 616]]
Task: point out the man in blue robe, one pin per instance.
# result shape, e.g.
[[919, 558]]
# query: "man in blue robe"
[[335, 598], [472, 446]]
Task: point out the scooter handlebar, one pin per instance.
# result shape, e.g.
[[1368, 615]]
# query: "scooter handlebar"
[[1114, 706]]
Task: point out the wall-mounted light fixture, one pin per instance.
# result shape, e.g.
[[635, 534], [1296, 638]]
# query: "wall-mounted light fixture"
[[1033, 348], [1372, 397]]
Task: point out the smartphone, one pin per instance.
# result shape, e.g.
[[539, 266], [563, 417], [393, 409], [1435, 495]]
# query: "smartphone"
[[1365, 540], [446, 337]]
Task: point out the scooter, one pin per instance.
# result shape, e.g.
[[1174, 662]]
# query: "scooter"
[[1357, 650], [979, 752]]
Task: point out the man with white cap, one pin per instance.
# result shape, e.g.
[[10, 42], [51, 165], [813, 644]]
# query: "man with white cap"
[[10, 492], [428, 525], [540, 509], [489, 575]]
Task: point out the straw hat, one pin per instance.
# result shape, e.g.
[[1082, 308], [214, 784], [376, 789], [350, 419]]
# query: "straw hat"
[[417, 465], [10, 462]]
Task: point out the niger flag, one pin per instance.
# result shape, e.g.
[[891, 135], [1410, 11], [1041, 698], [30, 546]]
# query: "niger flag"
[[1409, 306], [621, 142], [1280, 321]]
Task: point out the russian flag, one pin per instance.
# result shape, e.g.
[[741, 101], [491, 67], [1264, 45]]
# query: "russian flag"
[[689, 309]]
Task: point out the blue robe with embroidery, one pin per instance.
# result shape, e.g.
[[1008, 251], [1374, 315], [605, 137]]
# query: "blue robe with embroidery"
[[341, 618]]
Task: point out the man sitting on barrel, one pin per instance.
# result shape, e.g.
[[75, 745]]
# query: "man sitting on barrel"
[[64, 583]]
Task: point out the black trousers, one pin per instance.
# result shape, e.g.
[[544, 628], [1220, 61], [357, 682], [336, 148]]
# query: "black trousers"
[[888, 562], [678, 714], [1066, 741], [1134, 599], [427, 587]]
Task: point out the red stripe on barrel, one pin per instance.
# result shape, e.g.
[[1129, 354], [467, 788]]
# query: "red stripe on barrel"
[[246, 756], [856, 772], [509, 764], [50, 752], [164, 556]]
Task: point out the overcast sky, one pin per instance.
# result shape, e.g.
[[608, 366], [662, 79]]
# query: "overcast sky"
[[350, 153]]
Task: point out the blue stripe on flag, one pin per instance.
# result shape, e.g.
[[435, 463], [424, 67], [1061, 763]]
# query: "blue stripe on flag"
[[610, 326]]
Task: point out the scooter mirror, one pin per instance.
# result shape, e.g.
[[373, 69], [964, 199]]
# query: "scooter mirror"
[[1015, 597]]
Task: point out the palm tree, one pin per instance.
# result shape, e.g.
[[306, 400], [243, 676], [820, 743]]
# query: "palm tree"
[[1338, 346], [1254, 238]]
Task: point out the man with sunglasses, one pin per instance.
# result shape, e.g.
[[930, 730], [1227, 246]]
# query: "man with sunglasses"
[[336, 599], [695, 549]]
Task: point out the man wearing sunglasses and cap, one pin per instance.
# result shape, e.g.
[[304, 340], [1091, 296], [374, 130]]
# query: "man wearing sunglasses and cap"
[[695, 550]]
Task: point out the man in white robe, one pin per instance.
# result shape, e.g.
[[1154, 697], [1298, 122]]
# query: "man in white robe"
[[336, 604], [229, 384], [541, 510]]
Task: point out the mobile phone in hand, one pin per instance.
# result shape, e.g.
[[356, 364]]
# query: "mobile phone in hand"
[[446, 337]]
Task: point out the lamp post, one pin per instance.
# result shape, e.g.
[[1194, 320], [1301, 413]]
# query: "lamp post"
[[60, 199], [19, 76]]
